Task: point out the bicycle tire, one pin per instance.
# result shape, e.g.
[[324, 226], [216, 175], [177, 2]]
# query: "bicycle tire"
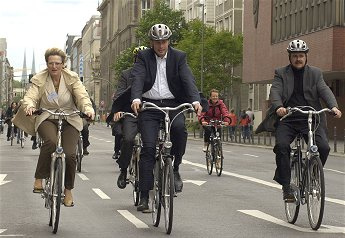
[[157, 194], [315, 193], [56, 196], [168, 194], [12, 136], [209, 161], [292, 209], [219, 158], [22, 139], [134, 173], [79, 155]]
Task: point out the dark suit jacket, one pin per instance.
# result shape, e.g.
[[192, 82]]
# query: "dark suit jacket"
[[179, 76], [314, 89], [121, 100]]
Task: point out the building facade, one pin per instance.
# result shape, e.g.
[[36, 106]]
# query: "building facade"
[[270, 25]]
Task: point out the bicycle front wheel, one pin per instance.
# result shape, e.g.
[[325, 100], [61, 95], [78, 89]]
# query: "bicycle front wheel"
[[134, 172], [56, 196], [209, 161], [168, 194], [315, 193], [79, 155], [157, 193], [292, 209], [219, 158]]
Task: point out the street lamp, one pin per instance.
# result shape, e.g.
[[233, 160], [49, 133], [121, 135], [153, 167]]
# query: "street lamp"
[[202, 45]]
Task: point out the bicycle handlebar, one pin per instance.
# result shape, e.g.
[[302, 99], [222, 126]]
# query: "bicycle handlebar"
[[61, 113], [296, 109], [124, 114], [150, 105]]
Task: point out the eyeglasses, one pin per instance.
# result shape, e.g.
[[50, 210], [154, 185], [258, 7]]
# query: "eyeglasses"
[[54, 63]]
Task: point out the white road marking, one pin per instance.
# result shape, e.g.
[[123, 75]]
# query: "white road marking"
[[100, 193], [333, 170], [196, 182], [130, 217], [228, 151], [255, 180], [251, 155], [108, 141], [2, 177], [2, 230], [269, 218], [9, 235], [83, 176]]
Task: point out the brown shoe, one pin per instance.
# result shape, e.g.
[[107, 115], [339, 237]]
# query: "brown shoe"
[[38, 188], [68, 200]]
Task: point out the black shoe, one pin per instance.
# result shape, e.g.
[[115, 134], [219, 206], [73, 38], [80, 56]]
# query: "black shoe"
[[34, 146], [121, 181], [8, 138], [85, 152], [288, 193], [143, 205], [178, 182], [116, 155]]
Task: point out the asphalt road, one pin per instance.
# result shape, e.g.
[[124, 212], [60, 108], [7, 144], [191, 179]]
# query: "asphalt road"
[[243, 202]]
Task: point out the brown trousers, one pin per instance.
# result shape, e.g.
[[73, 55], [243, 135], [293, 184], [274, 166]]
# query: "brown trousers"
[[48, 132]]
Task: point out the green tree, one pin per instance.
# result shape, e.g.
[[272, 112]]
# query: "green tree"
[[123, 61], [222, 51], [160, 13]]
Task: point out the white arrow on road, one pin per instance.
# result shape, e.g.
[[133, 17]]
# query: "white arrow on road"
[[196, 182], [2, 177], [2, 230]]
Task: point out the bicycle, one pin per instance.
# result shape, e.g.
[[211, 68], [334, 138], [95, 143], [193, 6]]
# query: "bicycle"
[[12, 135], [214, 151], [307, 177], [52, 191], [133, 168], [163, 187], [79, 152], [21, 137]]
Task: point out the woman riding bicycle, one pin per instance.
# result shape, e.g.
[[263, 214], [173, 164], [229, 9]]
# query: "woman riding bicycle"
[[56, 88], [217, 111]]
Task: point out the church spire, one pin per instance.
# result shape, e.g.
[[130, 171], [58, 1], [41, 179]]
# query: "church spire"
[[24, 70], [33, 67]]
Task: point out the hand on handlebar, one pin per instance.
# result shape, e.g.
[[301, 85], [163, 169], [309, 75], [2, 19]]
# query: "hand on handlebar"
[[337, 112], [282, 111], [30, 111], [135, 107], [204, 123], [117, 116], [198, 108]]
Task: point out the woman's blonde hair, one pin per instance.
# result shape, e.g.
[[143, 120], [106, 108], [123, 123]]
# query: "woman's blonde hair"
[[55, 51]]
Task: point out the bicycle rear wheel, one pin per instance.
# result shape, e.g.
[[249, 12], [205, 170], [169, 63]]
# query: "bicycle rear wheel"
[[79, 154], [157, 194], [168, 194], [315, 193], [56, 196], [292, 209], [209, 161], [219, 158]]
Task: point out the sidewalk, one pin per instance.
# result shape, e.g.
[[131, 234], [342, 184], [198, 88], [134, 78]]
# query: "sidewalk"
[[268, 142]]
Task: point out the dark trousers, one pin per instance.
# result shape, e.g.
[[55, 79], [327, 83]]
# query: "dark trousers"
[[48, 132], [9, 128], [85, 134], [285, 134], [129, 130], [118, 141], [207, 132], [149, 122]]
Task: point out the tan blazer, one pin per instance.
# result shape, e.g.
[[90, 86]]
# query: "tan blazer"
[[71, 96]]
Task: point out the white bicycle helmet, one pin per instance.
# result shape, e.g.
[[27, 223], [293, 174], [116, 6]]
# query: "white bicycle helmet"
[[297, 46], [160, 32], [139, 48]]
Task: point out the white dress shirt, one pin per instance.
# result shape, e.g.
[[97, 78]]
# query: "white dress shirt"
[[160, 89]]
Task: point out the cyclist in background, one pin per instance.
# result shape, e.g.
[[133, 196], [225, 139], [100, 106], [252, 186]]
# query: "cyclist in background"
[[217, 111], [297, 84], [233, 124], [161, 76], [129, 124], [9, 115]]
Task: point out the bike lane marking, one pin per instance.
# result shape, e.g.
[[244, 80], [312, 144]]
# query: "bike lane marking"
[[83, 176], [333, 170], [100, 193], [9, 235], [269, 218], [256, 156], [255, 180], [133, 219], [2, 177]]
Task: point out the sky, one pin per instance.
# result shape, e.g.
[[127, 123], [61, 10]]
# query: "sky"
[[36, 25]]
